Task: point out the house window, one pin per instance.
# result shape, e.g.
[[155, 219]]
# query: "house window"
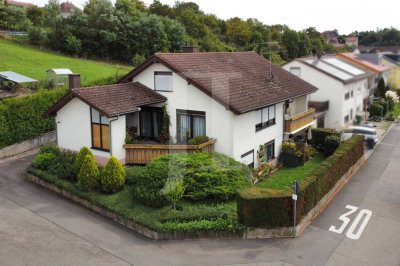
[[295, 71], [150, 122], [163, 81], [265, 117], [346, 119], [100, 130], [190, 124], [351, 114], [248, 159], [270, 150], [347, 96], [352, 94]]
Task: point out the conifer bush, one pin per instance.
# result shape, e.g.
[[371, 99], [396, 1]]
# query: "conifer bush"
[[112, 178], [88, 174], [80, 158]]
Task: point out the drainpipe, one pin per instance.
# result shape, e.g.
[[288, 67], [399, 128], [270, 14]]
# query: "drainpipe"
[[112, 120]]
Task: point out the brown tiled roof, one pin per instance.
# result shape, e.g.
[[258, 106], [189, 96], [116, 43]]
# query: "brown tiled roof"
[[239, 81], [67, 7], [112, 100]]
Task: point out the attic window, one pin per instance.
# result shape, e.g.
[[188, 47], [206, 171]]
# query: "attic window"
[[163, 81]]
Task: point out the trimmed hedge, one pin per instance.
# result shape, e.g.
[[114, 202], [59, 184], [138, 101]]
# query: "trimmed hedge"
[[319, 135], [21, 117], [260, 207]]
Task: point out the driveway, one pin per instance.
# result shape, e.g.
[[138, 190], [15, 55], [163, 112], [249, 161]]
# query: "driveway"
[[38, 227]]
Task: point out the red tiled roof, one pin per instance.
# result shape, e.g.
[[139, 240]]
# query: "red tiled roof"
[[67, 7], [239, 81], [112, 100]]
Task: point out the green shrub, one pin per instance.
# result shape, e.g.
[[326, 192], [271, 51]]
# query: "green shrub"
[[49, 149], [88, 175], [385, 106], [198, 140], [207, 176], [319, 135], [375, 109], [80, 158], [331, 144], [44, 161], [132, 172], [112, 178], [173, 190], [358, 119], [63, 167], [262, 207], [289, 158], [21, 117], [391, 104]]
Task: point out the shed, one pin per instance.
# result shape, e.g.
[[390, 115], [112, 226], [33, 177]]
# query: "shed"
[[10, 84], [58, 75]]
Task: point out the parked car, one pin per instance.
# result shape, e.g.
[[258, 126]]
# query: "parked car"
[[368, 132]]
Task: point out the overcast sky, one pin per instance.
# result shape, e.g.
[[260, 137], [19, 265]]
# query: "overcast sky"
[[344, 15]]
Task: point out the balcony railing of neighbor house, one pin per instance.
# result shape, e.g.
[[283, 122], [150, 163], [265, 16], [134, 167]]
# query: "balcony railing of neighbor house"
[[299, 120], [144, 153]]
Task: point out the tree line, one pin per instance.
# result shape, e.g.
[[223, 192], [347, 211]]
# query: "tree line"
[[129, 31]]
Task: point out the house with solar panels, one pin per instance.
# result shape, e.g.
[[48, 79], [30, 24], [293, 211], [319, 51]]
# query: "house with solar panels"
[[342, 88]]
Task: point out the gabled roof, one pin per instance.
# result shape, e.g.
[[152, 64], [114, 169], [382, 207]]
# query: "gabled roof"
[[111, 100], [67, 7], [336, 68], [239, 81], [354, 58]]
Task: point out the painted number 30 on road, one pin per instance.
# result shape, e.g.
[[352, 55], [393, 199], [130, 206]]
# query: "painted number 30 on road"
[[363, 215]]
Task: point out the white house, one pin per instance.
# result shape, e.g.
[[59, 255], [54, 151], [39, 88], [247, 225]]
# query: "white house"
[[233, 98], [342, 89]]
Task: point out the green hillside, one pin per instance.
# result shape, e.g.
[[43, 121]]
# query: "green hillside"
[[33, 63]]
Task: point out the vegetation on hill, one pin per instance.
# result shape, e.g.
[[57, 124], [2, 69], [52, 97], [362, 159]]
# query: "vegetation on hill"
[[33, 62], [384, 37]]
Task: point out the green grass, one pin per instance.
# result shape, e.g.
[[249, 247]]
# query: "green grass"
[[396, 111], [191, 217], [284, 177], [33, 63]]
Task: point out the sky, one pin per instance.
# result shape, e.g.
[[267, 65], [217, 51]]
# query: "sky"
[[344, 15]]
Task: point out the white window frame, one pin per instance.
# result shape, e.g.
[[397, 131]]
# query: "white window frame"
[[163, 76]]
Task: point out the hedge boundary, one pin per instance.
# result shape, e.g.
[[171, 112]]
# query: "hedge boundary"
[[267, 208]]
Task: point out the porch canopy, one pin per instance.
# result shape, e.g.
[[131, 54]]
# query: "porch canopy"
[[112, 100]]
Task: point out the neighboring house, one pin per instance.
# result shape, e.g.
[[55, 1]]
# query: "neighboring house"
[[392, 61], [352, 41], [67, 9], [379, 49], [230, 97], [332, 37], [377, 72], [342, 88]]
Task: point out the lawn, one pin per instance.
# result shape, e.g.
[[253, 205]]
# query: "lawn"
[[33, 63], [283, 178], [396, 111]]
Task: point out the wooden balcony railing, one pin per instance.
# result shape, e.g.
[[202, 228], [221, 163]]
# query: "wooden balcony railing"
[[144, 153], [300, 120]]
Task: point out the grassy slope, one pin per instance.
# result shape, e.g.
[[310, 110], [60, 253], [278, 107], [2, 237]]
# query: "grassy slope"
[[284, 178], [33, 63]]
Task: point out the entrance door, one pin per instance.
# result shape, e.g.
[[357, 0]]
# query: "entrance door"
[[150, 122]]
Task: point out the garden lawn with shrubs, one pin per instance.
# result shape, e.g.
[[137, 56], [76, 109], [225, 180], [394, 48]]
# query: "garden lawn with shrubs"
[[209, 183], [283, 178]]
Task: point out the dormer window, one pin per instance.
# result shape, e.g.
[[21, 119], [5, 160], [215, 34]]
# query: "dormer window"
[[163, 81]]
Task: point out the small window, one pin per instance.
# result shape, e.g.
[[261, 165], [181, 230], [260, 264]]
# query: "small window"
[[352, 94], [351, 114], [295, 71], [346, 119], [100, 131], [265, 117], [163, 81], [270, 150], [347, 96], [248, 159]]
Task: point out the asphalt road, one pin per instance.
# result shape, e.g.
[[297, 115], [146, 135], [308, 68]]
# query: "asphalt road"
[[38, 227]]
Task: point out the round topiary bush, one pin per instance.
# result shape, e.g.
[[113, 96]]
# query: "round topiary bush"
[[44, 161], [88, 175], [112, 178], [375, 110], [80, 157]]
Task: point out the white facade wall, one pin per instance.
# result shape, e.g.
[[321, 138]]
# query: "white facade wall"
[[332, 90], [74, 130]]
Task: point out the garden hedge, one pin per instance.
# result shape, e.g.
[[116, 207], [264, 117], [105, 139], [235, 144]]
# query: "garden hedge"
[[260, 207], [21, 117], [319, 135]]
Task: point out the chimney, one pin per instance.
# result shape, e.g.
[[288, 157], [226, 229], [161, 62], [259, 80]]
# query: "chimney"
[[74, 81], [190, 49]]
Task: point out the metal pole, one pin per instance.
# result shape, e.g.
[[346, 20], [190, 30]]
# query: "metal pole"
[[294, 218]]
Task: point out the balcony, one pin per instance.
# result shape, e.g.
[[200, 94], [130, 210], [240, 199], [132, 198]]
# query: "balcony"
[[299, 121], [144, 153]]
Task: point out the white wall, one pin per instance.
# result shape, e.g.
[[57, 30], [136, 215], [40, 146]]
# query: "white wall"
[[73, 127], [118, 134], [332, 90], [246, 138]]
